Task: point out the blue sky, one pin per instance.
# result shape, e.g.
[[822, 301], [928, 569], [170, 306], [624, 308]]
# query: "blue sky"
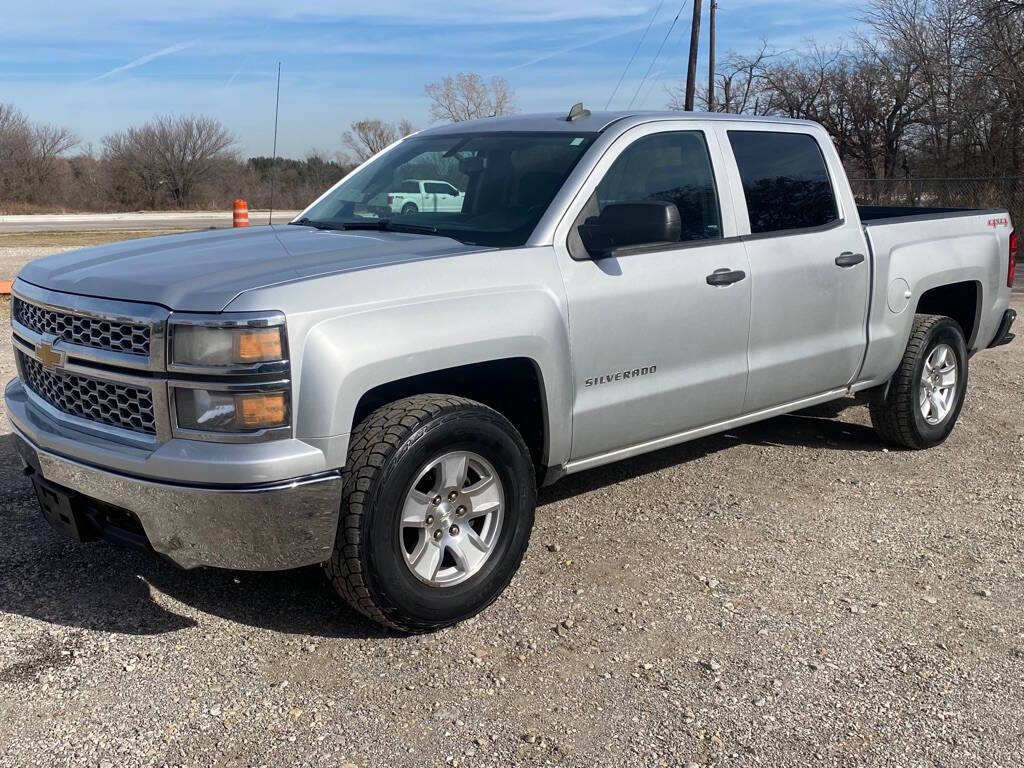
[[104, 64]]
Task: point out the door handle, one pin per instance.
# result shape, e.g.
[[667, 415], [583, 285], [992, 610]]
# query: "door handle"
[[849, 259], [725, 276]]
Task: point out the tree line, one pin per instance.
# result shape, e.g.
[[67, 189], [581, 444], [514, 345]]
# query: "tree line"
[[924, 88], [193, 162]]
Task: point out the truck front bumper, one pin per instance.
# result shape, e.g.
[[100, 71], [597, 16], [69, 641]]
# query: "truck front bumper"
[[272, 525]]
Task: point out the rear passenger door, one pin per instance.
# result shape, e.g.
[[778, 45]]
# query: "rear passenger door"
[[809, 270], [656, 348]]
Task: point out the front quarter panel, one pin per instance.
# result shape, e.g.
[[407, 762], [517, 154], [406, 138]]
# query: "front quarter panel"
[[351, 332]]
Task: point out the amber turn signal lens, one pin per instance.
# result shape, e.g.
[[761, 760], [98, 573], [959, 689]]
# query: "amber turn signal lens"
[[261, 411], [258, 345]]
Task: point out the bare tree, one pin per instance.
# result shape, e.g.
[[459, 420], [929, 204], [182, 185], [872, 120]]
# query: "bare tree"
[[15, 150], [172, 153], [365, 138], [49, 144], [738, 86], [467, 96], [30, 155]]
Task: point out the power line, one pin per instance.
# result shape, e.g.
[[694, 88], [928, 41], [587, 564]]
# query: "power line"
[[656, 56], [635, 52]]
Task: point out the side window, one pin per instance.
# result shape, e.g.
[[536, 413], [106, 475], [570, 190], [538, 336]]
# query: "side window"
[[785, 180], [436, 188], [410, 186], [674, 167]]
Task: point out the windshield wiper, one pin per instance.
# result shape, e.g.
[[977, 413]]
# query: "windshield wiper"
[[305, 221], [389, 226]]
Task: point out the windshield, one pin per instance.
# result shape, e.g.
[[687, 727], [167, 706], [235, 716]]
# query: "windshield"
[[484, 188]]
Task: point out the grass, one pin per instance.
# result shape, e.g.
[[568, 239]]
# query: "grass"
[[62, 238]]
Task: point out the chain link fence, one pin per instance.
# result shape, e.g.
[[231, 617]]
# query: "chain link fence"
[[945, 193]]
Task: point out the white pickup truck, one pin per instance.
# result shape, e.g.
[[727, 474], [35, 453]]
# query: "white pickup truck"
[[427, 195], [381, 392]]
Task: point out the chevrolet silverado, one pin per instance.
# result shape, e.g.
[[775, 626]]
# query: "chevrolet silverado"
[[381, 391]]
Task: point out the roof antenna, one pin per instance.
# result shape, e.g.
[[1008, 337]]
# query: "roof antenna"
[[577, 113], [273, 158]]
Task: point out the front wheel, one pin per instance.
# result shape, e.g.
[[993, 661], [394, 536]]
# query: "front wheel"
[[927, 391], [437, 508]]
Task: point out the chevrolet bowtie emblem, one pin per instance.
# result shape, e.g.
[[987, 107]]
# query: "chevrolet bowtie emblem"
[[48, 356]]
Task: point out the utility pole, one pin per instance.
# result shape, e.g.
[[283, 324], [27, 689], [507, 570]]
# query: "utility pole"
[[691, 70], [711, 56]]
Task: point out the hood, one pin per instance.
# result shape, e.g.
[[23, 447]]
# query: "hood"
[[204, 271]]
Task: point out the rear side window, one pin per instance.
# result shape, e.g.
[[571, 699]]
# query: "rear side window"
[[674, 167], [412, 187], [785, 181]]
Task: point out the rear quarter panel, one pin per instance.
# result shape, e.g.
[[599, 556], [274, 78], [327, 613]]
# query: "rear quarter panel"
[[926, 253]]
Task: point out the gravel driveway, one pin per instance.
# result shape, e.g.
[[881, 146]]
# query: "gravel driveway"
[[13, 259], [788, 594]]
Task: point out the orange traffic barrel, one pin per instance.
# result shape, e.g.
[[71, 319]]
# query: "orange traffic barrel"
[[241, 213]]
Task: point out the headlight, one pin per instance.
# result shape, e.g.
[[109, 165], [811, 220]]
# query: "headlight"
[[208, 410], [228, 342], [229, 376]]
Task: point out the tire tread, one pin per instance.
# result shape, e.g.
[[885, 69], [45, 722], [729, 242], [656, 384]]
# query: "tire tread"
[[374, 441], [892, 416]]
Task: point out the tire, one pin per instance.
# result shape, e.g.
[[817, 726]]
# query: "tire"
[[371, 567], [410, 208], [898, 417]]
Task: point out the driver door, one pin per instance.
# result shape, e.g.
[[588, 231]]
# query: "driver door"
[[444, 199], [657, 349]]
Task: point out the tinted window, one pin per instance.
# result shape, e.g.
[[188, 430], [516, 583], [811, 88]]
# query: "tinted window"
[[435, 188], [410, 186], [785, 180], [674, 167]]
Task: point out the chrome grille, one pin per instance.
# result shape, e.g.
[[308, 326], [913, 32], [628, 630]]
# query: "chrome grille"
[[129, 338], [117, 405]]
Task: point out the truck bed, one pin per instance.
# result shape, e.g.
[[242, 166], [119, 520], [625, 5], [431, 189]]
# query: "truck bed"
[[961, 253]]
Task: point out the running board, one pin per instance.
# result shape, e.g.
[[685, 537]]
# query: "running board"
[[692, 434]]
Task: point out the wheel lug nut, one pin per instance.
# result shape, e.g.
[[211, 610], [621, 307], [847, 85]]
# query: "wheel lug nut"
[[453, 496], [454, 530], [437, 534], [436, 500], [430, 519], [460, 511]]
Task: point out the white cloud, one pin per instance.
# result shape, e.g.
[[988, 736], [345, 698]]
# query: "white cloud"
[[145, 59], [65, 15], [592, 40]]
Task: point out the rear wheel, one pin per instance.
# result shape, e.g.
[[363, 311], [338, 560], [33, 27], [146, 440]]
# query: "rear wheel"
[[410, 208], [927, 391], [437, 509]]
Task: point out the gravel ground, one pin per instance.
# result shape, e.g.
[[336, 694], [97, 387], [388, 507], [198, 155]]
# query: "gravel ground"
[[788, 594], [13, 259]]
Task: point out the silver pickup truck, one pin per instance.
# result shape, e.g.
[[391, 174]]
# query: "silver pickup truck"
[[382, 393]]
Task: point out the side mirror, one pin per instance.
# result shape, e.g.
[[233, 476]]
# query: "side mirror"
[[621, 225]]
